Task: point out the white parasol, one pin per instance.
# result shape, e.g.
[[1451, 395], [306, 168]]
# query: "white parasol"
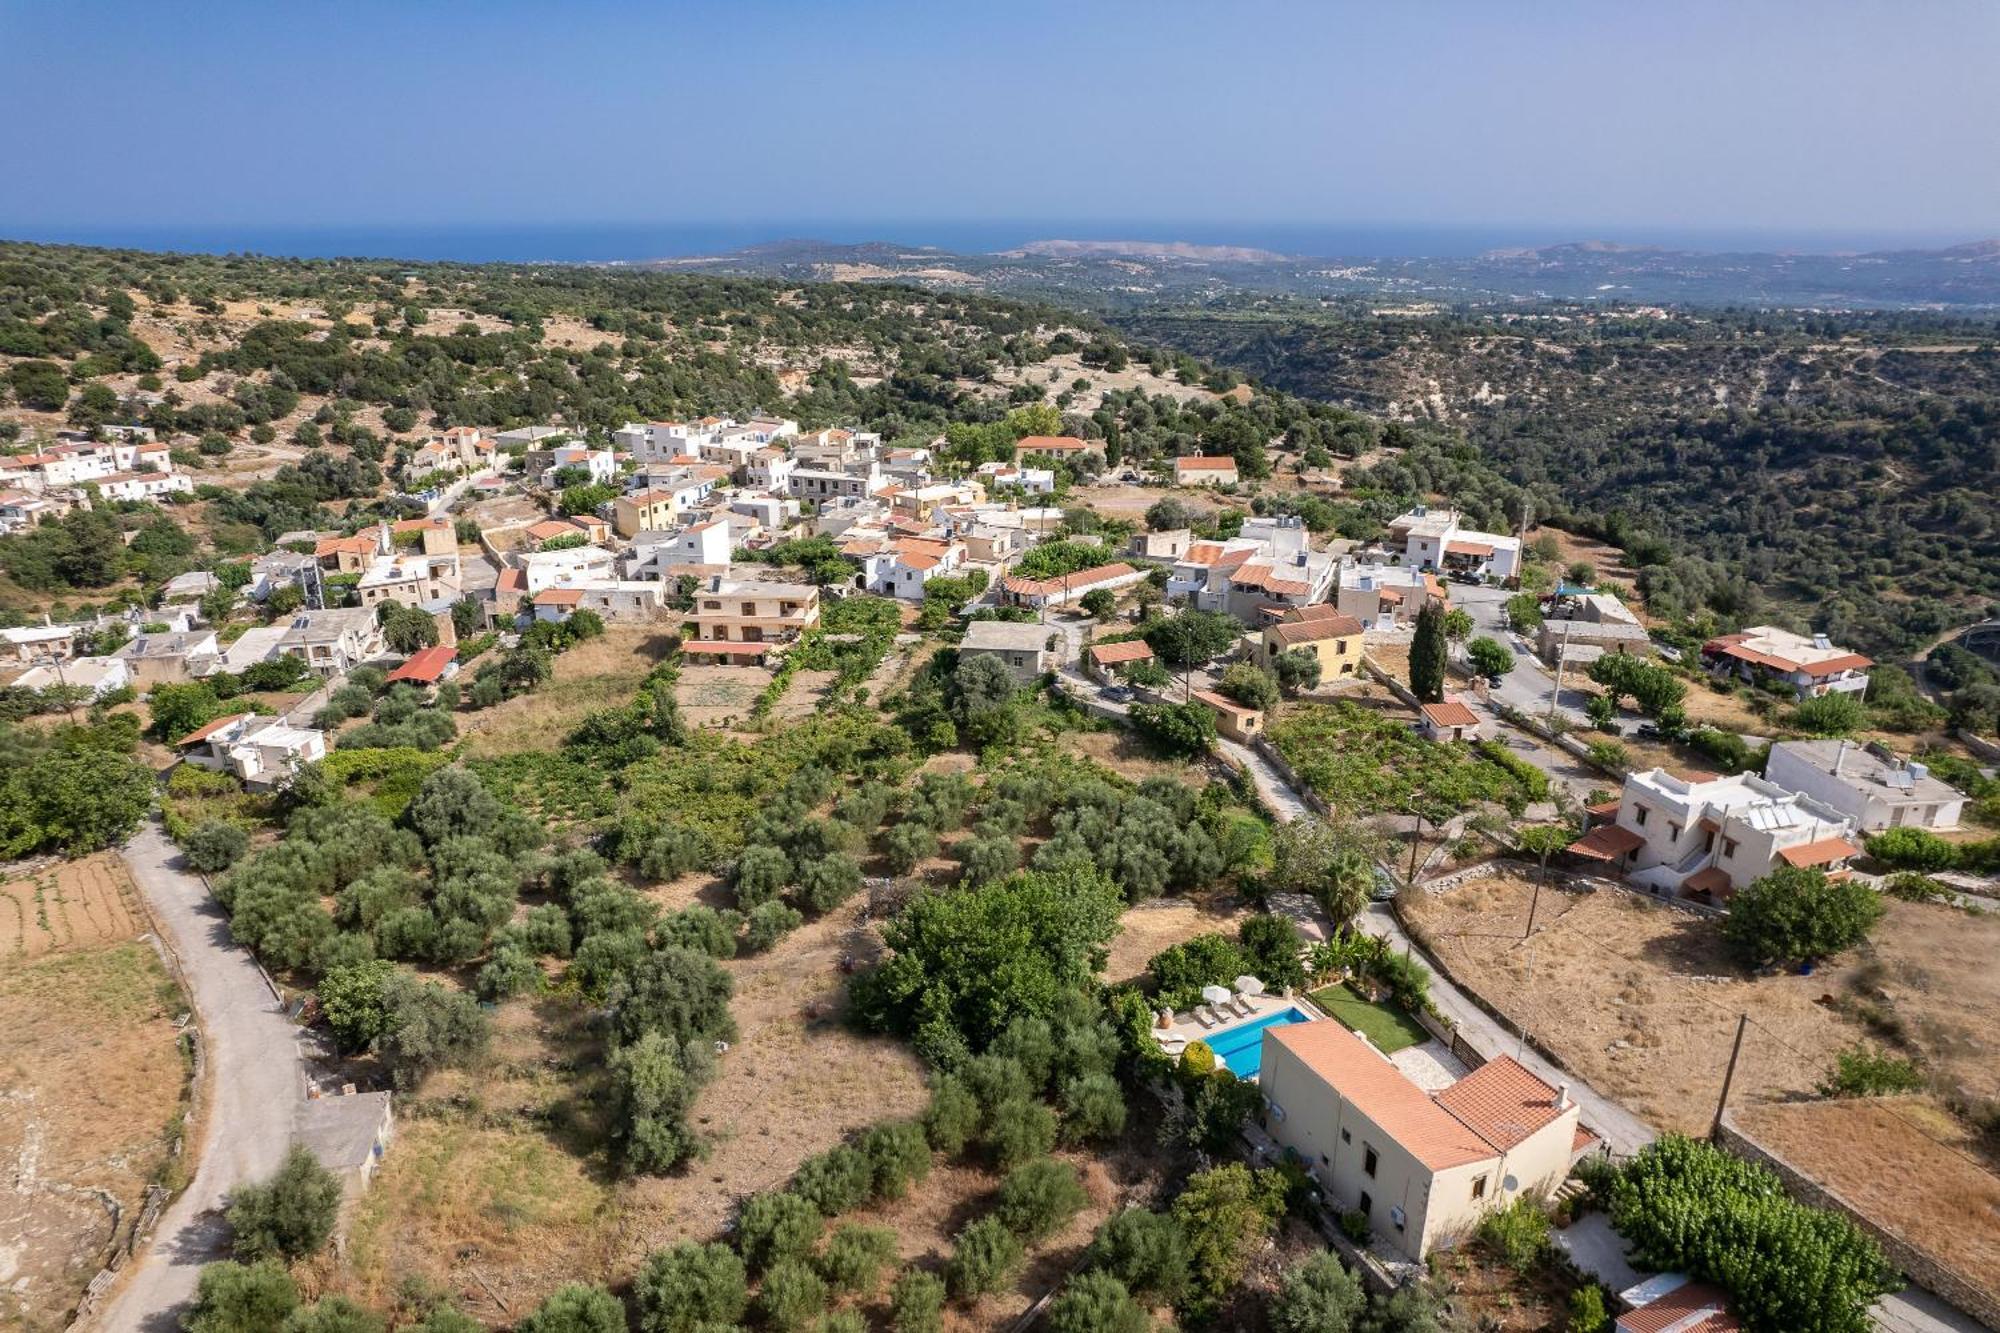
[[1250, 985], [1215, 994]]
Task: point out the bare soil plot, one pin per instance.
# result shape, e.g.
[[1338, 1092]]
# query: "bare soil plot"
[[1119, 499], [805, 695], [1160, 923], [1731, 711], [719, 696], [67, 905], [796, 1082], [1609, 561], [91, 1082], [1901, 1162], [1637, 997], [1125, 754], [601, 673], [1486, 1294]]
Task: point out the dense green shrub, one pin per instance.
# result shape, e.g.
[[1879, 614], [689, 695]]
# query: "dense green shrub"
[[855, 1256], [1093, 1108], [1144, 1250], [691, 1286], [214, 845], [1017, 1131], [1518, 1234], [1038, 1198], [916, 1303], [952, 1117], [241, 1298], [835, 1181], [1692, 1208], [1796, 915], [1096, 1303], [1910, 848], [775, 1227], [578, 1307], [1859, 1071], [898, 1154], [1318, 1295], [290, 1216], [984, 1259], [792, 1295]]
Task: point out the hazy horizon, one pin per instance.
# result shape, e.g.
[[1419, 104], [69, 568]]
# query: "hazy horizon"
[[616, 241], [1568, 120]]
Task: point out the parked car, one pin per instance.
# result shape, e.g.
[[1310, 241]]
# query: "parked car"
[[1650, 731], [1493, 682], [1464, 576], [1117, 694]]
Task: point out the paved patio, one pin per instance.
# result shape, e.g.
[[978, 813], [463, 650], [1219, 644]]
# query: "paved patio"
[[1186, 1027], [1430, 1065]]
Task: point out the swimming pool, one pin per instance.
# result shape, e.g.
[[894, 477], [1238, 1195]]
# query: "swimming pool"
[[1242, 1048]]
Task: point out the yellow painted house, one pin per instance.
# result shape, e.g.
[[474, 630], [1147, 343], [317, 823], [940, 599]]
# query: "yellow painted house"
[[1321, 630]]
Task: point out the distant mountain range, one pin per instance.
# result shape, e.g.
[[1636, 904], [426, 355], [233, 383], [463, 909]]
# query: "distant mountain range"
[[1125, 274]]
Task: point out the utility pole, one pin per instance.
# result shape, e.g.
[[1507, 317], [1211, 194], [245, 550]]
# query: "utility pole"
[[1535, 901], [1729, 1076], [1562, 660], [1416, 839]]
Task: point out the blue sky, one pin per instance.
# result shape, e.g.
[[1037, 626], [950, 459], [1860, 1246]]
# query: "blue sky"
[[1798, 117]]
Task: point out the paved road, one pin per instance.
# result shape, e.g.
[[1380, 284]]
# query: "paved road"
[[254, 1086], [1527, 686]]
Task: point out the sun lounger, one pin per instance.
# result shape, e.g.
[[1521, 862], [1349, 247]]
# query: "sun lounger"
[[1204, 1017], [1241, 1004]]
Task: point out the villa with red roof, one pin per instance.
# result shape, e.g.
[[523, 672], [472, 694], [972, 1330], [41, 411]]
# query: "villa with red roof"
[[1200, 471], [1424, 1166]]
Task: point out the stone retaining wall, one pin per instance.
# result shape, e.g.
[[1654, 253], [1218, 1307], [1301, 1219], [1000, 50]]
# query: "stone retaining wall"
[[1916, 1262]]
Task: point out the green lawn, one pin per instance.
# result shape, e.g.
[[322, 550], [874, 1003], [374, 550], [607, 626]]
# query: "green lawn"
[[1387, 1026]]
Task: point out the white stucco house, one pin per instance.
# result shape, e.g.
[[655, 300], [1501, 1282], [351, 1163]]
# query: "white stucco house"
[[1870, 786]]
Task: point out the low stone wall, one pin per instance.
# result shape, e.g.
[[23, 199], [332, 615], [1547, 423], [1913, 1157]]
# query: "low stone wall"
[[1269, 752], [1916, 1262]]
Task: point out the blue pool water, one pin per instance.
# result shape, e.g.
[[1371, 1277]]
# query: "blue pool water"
[[1242, 1049]]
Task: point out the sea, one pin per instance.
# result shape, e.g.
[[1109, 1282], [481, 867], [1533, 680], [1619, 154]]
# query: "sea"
[[612, 242]]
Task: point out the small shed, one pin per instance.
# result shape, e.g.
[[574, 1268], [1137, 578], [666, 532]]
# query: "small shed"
[[347, 1133], [1450, 721]]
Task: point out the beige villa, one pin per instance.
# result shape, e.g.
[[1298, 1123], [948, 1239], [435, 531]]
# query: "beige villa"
[[1424, 1166]]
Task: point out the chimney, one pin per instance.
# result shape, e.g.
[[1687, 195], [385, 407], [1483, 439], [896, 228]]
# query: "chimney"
[[1562, 1096]]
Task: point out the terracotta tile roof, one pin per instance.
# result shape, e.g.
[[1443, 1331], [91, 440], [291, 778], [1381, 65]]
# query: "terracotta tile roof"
[[1824, 852], [1049, 444], [1111, 654], [1582, 1141], [200, 734], [511, 580], [1609, 807], [1379, 1090], [912, 561], [1451, 713], [1502, 1102], [425, 665], [1081, 581], [550, 528], [1467, 548], [1607, 842], [1315, 630], [337, 545], [1224, 704], [559, 597], [1692, 1307], [1204, 465]]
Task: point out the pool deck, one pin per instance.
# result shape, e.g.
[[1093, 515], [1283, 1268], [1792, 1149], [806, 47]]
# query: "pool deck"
[[1187, 1028]]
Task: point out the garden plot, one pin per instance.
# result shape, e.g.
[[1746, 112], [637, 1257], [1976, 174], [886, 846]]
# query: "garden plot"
[[715, 696], [67, 905]]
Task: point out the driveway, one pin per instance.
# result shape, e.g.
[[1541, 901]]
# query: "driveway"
[[253, 1088]]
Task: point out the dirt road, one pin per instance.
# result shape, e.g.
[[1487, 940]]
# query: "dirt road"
[[253, 1087]]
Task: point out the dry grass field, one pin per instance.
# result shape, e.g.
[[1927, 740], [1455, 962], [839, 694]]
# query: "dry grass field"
[[1161, 923], [1637, 997], [1904, 1164], [91, 1081], [602, 673]]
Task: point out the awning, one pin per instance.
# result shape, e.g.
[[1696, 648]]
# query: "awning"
[[726, 647], [1607, 842], [1711, 880], [1824, 852]]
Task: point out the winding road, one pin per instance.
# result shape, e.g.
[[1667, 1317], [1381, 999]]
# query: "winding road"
[[254, 1085]]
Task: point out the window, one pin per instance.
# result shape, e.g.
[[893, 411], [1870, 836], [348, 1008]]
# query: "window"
[[1729, 846], [1346, 1137], [1367, 1204], [1639, 813], [1368, 1160], [1479, 1187], [1673, 832], [1323, 1160]]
